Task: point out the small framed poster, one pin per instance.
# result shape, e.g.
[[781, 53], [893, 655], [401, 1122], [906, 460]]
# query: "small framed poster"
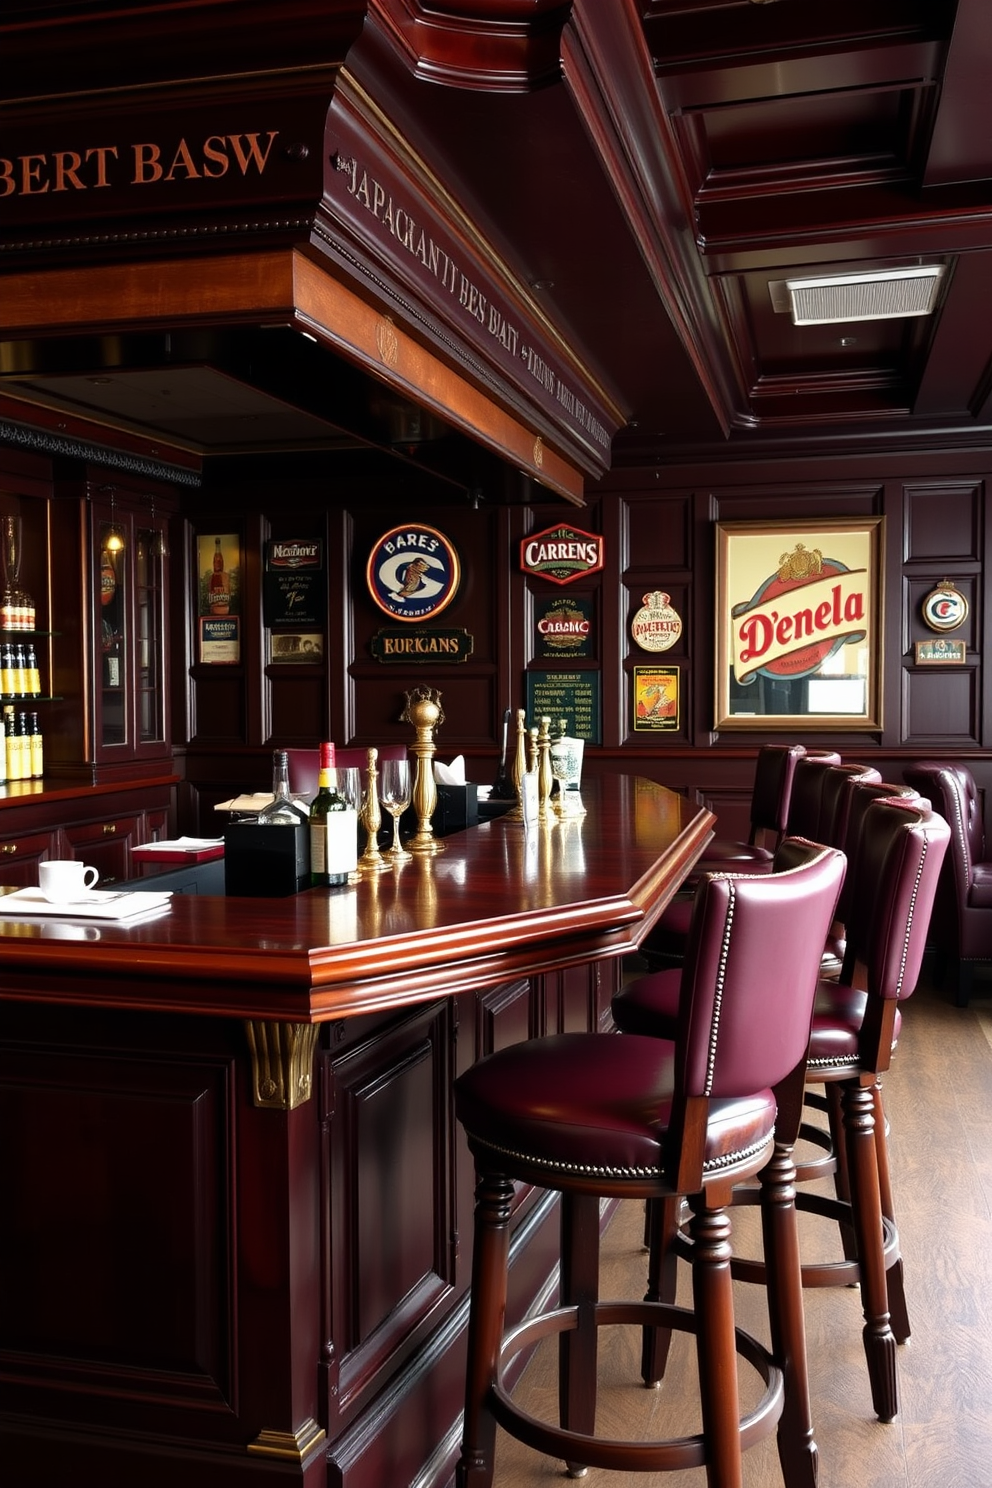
[[293, 583], [219, 598], [306, 648], [656, 699]]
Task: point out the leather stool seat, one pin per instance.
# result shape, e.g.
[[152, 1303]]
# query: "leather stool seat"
[[600, 1108]]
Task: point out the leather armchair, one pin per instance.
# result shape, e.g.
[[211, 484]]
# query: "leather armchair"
[[962, 924]]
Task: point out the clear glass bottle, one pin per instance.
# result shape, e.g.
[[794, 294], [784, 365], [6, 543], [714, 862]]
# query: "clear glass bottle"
[[333, 829], [280, 812]]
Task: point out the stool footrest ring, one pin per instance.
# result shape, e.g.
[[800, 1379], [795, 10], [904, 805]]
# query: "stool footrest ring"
[[648, 1456]]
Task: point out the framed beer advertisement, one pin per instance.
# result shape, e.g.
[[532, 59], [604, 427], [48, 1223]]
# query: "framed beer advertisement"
[[798, 624], [219, 598]]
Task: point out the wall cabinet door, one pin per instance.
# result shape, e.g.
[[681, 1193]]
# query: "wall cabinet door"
[[131, 666]]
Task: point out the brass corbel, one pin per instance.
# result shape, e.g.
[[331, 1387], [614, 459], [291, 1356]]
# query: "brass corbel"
[[281, 1062]]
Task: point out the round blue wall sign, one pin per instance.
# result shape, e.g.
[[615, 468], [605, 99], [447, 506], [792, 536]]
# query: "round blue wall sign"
[[413, 572]]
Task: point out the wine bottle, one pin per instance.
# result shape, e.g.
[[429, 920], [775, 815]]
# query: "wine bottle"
[[333, 829], [503, 789]]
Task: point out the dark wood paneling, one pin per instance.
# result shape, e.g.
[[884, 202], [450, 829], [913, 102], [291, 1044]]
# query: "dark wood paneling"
[[942, 706], [658, 532], [123, 1263], [387, 1209], [944, 521]]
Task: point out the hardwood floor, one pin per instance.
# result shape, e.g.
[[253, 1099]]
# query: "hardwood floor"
[[938, 1097]]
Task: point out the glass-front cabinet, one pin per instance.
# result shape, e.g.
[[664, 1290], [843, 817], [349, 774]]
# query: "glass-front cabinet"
[[130, 558]]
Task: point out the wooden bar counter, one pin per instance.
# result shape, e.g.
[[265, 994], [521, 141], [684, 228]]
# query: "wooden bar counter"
[[237, 1209]]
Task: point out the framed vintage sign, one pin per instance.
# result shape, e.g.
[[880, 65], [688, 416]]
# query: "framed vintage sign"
[[219, 598], [798, 624]]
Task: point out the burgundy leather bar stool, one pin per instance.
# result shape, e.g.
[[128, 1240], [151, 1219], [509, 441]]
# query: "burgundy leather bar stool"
[[962, 928], [835, 802], [593, 1115], [774, 773], [896, 866]]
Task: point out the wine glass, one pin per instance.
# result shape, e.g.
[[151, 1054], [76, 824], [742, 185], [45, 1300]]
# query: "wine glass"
[[394, 794]]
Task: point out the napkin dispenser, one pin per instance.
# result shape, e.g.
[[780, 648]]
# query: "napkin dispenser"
[[267, 862]]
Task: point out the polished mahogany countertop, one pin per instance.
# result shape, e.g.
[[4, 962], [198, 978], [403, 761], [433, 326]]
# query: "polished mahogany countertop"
[[497, 903]]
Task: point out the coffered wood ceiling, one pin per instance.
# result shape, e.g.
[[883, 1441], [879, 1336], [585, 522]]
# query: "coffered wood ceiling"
[[652, 173]]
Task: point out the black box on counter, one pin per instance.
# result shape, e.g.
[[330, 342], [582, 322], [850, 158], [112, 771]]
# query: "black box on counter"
[[457, 808], [266, 861]]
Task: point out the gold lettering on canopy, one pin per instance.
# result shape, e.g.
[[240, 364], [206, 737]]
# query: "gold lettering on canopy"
[[140, 163]]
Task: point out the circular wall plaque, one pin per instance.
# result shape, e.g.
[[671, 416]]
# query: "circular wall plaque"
[[945, 608], [657, 626], [412, 572]]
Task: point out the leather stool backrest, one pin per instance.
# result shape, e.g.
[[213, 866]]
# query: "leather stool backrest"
[[835, 799], [861, 793], [750, 972], [900, 853], [774, 772], [807, 794]]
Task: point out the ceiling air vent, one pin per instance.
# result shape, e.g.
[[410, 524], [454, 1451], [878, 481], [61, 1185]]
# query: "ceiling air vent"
[[885, 295]]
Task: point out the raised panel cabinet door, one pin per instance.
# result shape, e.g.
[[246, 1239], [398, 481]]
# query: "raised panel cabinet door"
[[20, 856], [105, 846]]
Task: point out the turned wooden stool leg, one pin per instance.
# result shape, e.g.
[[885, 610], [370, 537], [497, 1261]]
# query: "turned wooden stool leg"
[[663, 1223], [784, 1284], [866, 1204], [493, 1202], [716, 1349], [898, 1311], [579, 1287]]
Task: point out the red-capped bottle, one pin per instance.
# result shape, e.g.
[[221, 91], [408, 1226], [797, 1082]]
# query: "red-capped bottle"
[[333, 829]]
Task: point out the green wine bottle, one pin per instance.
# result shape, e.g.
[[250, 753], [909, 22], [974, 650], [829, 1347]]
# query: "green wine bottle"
[[333, 829]]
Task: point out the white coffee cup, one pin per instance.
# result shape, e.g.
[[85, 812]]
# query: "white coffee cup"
[[64, 879]]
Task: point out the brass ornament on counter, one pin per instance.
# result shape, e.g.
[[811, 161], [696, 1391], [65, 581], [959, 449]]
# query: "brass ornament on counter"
[[545, 774], [423, 710], [370, 816], [519, 768]]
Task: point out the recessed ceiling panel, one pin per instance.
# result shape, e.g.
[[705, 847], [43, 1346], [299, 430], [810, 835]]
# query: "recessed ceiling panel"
[[196, 406]]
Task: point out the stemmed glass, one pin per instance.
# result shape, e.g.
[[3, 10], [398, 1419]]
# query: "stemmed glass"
[[394, 795]]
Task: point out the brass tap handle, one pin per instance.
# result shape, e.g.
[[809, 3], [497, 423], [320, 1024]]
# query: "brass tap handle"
[[372, 860], [423, 710], [545, 778], [516, 813]]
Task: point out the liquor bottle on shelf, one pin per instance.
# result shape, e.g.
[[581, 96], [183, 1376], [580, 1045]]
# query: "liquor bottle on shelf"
[[37, 750], [34, 675], [281, 811], [20, 672], [11, 745], [7, 669], [333, 829], [23, 746]]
